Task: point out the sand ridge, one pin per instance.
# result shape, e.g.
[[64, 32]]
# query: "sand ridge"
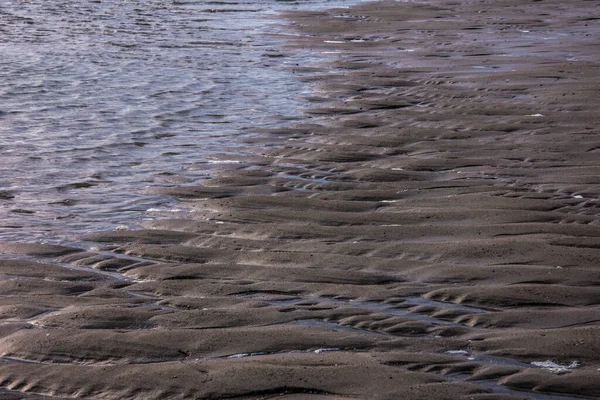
[[430, 231]]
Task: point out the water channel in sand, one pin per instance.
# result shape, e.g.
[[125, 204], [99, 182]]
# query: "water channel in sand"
[[101, 101]]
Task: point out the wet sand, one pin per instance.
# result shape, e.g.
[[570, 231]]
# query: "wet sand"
[[431, 232]]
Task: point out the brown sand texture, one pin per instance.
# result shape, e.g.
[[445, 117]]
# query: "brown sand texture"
[[429, 231]]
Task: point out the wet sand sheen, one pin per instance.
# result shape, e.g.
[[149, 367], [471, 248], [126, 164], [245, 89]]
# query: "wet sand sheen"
[[431, 233]]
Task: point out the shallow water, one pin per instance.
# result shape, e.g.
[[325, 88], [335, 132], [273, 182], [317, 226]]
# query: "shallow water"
[[102, 101]]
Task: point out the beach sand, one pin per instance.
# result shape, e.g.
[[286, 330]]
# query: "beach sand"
[[430, 232]]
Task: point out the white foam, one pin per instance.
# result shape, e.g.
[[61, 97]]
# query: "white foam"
[[325, 350], [224, 162], [241, 355], [554, 367], [458, 352], [157, 210]]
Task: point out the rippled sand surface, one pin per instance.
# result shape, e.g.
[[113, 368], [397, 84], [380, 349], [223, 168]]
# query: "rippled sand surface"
[[429, 231]]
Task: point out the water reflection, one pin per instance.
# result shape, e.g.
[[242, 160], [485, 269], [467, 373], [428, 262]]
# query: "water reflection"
[[101, 100]]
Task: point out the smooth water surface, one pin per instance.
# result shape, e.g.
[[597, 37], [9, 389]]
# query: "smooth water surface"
[[102, 100]]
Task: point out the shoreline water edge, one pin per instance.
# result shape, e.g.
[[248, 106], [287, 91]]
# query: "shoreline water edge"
[[430, 231]]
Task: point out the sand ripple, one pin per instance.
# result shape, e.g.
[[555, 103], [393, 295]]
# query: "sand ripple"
[[430, 233]]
